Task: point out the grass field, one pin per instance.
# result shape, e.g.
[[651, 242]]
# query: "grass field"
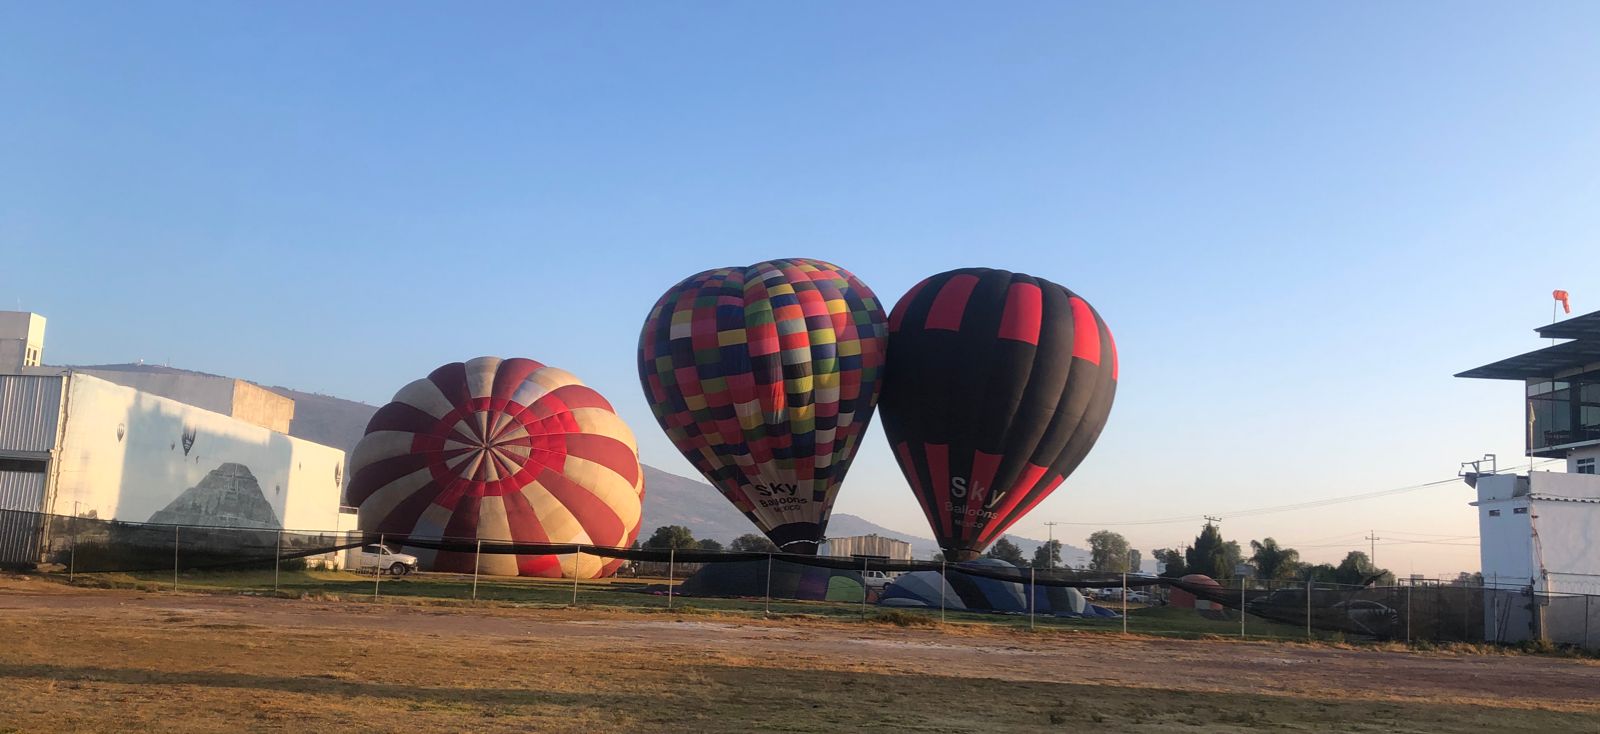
[[629, 594], [89, 659]]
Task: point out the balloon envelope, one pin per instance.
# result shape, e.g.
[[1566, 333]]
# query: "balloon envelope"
[[507, 450], [765, 377], [997, 385]]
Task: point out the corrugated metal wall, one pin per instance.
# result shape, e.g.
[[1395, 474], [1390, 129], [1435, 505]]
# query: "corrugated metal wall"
[[30, 406], [21, 498], [21, 490], [869, 545]]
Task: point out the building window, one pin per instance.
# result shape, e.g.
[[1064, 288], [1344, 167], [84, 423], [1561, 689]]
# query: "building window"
[[1494, 513], [25, 466], [1519, 510], [1586, 466]]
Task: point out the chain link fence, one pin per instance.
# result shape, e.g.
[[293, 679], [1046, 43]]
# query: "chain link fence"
[[356, 564]]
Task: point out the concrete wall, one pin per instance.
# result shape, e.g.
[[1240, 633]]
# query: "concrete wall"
[[258, 405], [1505, 536], [1566, 519], [21, 339], [236, 398], [131, 455]]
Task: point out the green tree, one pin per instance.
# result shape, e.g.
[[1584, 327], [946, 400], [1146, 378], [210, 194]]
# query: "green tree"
[[671, 537], [1208, 555], [1135, 561], [1323, 573], [1047, 555], [709, 544], [1357, 568], [1108, 552], [753, 543], [1007, 551], [1273, 561], [1172, 564]]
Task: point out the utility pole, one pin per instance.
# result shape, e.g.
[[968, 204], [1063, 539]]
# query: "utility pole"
[[1213, 519], [1372, 553], [1050, 545]]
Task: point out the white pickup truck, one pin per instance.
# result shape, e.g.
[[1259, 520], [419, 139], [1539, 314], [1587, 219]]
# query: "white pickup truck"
[[383, 560]]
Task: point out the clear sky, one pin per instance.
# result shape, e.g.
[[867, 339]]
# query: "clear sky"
[[1299, 219]]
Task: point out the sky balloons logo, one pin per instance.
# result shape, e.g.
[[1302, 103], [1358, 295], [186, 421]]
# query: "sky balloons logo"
[[997, 385], [765, 378]]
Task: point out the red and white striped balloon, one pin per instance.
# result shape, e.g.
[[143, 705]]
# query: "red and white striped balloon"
[[500, 450]]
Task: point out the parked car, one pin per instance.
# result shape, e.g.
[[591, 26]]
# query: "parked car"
[[877, 580], [1370, 617], [384, 560]]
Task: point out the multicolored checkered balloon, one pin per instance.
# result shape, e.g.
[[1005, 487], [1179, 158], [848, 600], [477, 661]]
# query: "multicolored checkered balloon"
[[765, 377]]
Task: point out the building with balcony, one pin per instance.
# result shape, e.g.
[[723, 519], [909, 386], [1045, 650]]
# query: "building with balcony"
[[1539, 532]]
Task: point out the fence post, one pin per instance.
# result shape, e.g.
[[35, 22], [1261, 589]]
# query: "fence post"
[[72, 559], [1033, 595], [575, 558], [175, 529], [1309, 588], [477, 560], [1586, 599], [1124, 598], [277, 562], [377, 568], [944, 581], [1241, 605], [672, 555], [863, 589], [768, 611], [1408, 613]]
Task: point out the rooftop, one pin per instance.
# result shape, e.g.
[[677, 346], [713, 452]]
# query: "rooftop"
[[1552, 360]]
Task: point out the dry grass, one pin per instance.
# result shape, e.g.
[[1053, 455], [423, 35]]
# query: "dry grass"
[[95, 660]]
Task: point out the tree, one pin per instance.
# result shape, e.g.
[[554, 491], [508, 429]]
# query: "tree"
[[1108, 551], [709, 544], [1007, 551], [1273, 561], [753, 543], [1323, 573], [671, 537], [1047, 555], [1208, 554], [1135, 561], [1172, 565], [1357, 568]]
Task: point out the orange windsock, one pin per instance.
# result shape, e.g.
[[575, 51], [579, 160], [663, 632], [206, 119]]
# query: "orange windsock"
[[1562, 297]]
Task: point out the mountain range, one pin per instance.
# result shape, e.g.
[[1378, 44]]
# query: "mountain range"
[[670, 499]]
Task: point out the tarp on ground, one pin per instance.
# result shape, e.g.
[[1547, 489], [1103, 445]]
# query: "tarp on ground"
[[789, 581], [960, 590]]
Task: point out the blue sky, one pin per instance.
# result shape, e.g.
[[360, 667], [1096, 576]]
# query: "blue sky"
[[1299, 220]]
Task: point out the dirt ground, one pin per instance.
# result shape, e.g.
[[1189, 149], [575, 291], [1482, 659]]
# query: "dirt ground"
[[76, 659]]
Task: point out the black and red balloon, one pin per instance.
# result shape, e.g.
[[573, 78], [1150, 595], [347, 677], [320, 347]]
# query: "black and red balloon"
[[996, 386]]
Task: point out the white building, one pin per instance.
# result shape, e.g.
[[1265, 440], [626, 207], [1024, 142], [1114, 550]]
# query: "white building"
[[74, 444], [1539, 532], [21, 340]]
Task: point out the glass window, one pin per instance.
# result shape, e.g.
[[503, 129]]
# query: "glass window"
[[1519, 510], [1494, 513], [1585, 466]]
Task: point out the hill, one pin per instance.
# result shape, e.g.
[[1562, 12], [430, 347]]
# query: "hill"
[[670, 499]]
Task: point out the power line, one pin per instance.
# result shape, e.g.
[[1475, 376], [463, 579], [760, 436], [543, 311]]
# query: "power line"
[[1274, 509]]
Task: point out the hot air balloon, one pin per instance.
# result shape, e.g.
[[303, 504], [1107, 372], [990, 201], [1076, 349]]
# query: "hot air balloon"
[[765, 377], [996, 387], [500, 450]]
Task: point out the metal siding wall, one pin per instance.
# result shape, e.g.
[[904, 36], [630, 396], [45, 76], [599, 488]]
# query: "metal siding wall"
[[22, 491], [21, 498], [30, 406]]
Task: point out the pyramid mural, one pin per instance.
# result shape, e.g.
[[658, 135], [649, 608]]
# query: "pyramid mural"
[[229, 496]]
